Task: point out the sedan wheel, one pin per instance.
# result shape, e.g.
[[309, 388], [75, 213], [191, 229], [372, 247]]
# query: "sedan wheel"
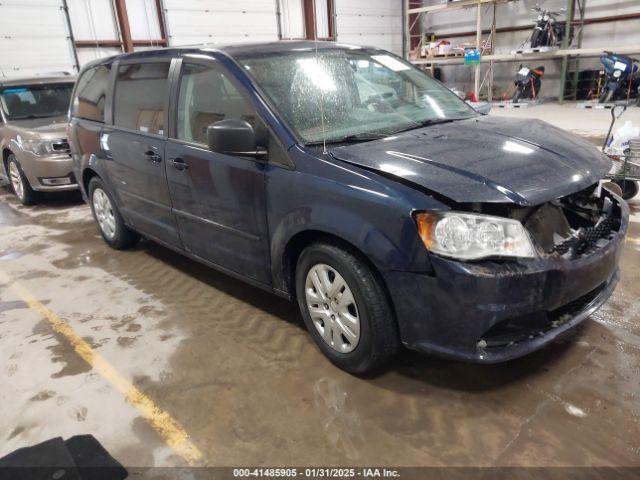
[[16, 180], [332, 308], [104, 213]]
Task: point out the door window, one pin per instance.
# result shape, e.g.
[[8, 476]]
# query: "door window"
[[141, 97], [207, 96]]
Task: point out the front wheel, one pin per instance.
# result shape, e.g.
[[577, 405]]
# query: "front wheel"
[[607, 95], [535, 38], [517, 95], [19, 182], [629, 188], [345, 308], [110, 222]]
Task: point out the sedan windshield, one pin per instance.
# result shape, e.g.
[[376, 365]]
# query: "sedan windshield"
[[37, 101], [341, 95]]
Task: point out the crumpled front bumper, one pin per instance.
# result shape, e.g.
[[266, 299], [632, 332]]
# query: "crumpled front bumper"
[[453, 311]]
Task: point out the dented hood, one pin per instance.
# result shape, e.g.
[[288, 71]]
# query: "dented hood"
[[486, 159]]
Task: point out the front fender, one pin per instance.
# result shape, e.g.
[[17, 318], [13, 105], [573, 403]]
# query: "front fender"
[[370, 212]]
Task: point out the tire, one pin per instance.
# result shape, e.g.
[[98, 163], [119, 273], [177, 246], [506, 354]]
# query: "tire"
[[535, 38], [106, 214], [607, 95], [377, 339], [19, 182], [629, 188], [517, 95]]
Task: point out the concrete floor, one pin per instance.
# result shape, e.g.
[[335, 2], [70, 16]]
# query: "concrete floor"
[[233, 367], [590, 123]]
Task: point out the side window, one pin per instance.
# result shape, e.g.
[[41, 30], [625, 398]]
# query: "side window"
[[207, 96], [141, 97], [91, 92]]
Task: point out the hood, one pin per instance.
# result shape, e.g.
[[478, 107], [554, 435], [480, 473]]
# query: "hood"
[[486, 159], [46, 128]]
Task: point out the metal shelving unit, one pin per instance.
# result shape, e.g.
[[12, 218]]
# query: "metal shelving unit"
[[569, 53], [446, 7]]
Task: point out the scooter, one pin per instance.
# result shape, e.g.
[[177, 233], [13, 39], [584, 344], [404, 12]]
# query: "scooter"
[[547, 32], [621, 79], [528, 83]]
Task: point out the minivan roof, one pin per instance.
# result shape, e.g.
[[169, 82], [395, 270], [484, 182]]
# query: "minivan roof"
[[235, 50], [14, 82]]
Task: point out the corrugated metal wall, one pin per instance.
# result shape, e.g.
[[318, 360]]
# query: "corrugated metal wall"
[[611, 34], [375, 23], [220, 21], [35, 35], [34, 38]]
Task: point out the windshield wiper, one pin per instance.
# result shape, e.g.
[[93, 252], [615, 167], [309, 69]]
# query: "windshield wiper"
[[357, 137], [431, 121]]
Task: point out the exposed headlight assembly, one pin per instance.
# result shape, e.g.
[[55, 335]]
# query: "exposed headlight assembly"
[[39, 147], [469, 236]]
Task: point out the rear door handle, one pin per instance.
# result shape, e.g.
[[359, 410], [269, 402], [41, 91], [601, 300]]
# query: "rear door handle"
[[179, 164], [152, 156]]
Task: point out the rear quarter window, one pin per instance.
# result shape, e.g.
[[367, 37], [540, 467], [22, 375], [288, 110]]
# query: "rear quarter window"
[[91, 92]]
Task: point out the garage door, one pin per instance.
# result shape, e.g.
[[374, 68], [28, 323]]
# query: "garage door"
[[34, 38], [220, 21], [376, 23]]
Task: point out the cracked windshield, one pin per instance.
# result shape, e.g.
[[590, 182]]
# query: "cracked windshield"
[[351, 95]]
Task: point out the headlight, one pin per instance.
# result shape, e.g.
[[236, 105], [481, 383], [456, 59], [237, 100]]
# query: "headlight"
[[469, 236], [617, 73], [39, 147]]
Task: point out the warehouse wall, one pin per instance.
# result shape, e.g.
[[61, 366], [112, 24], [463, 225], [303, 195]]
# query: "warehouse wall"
[[370, 22], [36, 38], [612, 35]]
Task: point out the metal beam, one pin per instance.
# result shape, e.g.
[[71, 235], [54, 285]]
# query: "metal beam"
[[454, 6], [565, 45], [522, 28], [123, 21], [577, 52], [309, 19]]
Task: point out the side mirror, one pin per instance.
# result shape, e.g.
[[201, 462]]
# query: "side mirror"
[[234, 137]]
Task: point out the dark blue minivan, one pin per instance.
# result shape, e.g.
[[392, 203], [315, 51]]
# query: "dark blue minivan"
[[350, 181]]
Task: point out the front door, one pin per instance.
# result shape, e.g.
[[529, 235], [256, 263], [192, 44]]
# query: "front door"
[[136, 147], [218, 199]]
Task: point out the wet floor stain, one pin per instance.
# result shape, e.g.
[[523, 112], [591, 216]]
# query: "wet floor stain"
[[6, 306]]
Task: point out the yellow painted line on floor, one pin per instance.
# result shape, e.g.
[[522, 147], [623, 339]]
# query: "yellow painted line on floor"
[[166, 426], [633, 239]]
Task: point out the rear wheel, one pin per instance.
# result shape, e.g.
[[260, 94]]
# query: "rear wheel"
[[345, 308], [110, 222], [19, 182]]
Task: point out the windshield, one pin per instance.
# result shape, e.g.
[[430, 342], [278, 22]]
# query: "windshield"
[[38, 101], [348, 93]]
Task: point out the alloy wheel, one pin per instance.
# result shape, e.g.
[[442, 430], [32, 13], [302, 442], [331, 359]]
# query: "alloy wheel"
[[332, 308], [104, 213], [16, 180]]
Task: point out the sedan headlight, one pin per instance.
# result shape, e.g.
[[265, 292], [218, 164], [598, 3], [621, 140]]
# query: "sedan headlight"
[[39, 147], [469, 236]]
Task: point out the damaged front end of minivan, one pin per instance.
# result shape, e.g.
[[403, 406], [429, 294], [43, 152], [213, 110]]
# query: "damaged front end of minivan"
[[507, 307]]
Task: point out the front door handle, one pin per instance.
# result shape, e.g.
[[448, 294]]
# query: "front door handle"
[[152, 156], [179, 164]]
